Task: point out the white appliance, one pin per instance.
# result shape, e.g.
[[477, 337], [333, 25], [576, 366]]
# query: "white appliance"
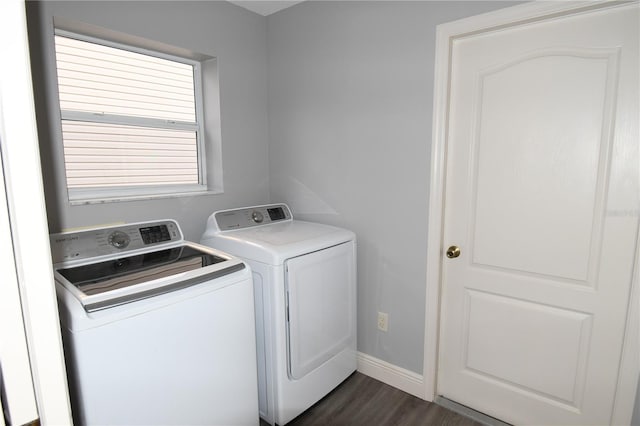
[[305, 288], [156, 330]]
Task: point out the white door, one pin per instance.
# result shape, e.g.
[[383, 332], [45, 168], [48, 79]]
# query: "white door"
[[542, 198]]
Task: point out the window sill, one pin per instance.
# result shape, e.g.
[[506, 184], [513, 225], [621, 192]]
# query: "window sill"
[[148, 197]]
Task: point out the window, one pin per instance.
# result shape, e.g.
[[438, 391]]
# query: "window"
[[131, 120]]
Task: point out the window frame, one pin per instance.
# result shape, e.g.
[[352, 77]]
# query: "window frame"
[[147, 191]]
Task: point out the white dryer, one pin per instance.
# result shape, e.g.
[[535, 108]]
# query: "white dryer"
[[305, 290]]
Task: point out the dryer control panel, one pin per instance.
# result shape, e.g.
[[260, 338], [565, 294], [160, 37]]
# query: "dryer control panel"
[[227, 220]]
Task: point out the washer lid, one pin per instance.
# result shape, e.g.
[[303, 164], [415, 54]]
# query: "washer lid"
[[274, 243], [113, 282], [101, 277]]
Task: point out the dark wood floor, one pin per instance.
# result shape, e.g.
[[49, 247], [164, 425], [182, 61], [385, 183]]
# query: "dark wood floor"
[[363, 401]]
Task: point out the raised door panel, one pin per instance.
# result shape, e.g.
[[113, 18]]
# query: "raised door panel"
[[541, 148], [544, 364]]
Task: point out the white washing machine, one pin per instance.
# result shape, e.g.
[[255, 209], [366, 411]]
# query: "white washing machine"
[[156, 330], [305, 288]]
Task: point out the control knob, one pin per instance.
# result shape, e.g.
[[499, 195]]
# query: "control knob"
[[257, 217], [119, 239]]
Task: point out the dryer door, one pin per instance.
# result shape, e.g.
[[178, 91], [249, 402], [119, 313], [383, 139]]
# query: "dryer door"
[[321, 289]]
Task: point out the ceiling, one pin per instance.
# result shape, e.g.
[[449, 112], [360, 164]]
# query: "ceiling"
[[265, 7]]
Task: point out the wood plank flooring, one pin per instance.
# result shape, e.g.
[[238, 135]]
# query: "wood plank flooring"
[[363, 401]]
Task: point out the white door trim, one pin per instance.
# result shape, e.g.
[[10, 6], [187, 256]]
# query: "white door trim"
[[27, 215], [445, 35]]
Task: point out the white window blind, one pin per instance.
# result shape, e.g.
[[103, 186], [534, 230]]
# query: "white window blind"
[[129, 118]]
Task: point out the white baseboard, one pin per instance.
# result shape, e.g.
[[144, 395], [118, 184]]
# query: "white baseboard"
[[392, 375]]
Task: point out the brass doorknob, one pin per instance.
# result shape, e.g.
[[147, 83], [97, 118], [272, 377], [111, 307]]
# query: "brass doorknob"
[[453, 252]]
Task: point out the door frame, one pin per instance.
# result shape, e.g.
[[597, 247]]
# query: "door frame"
[[29, 235], [446, 34]]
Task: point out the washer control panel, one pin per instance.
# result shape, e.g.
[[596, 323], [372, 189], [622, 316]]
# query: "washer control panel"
[[252, 216], [112, 239]]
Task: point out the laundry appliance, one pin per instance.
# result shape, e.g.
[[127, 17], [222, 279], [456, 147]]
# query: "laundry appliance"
[[305, 299], [156, 330]]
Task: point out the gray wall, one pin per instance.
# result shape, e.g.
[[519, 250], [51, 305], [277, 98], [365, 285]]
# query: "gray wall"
[[234, 35], [350, 107]]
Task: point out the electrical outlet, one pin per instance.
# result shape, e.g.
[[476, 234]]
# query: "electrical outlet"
[[383, 321]]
